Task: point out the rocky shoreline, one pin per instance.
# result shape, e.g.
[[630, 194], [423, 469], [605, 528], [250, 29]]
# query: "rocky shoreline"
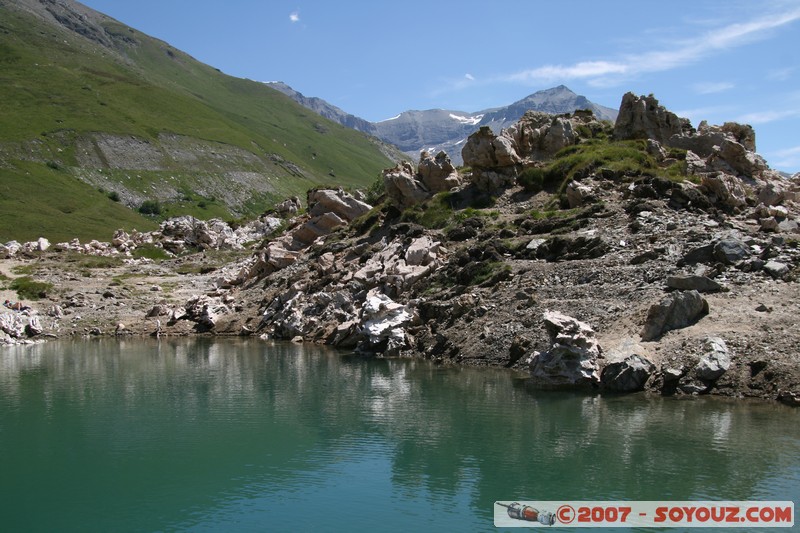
[[616, 278]]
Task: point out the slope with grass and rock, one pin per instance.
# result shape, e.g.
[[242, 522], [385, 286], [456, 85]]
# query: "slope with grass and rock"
[[641, 255], [100, 118]]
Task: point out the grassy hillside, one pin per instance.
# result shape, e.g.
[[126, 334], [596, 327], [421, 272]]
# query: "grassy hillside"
[[36, 200], [100, 100]]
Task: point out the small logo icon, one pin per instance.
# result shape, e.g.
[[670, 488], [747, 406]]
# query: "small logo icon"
[[530, 514]]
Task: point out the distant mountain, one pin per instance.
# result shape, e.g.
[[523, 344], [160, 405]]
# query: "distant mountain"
[[440, 129], [90, 104], [329, 111]]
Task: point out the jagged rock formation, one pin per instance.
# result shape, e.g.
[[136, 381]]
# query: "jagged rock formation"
[[641, 117], [497, 160]]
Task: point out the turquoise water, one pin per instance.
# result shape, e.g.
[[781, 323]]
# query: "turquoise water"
[[241, 435]]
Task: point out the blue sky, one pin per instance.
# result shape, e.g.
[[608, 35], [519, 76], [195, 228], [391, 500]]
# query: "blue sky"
[[720, 61]]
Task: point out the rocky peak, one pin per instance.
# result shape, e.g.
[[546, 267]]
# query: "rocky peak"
[[642, 117]]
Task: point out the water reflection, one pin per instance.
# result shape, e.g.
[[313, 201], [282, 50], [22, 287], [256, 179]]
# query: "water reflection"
[[195, 434]]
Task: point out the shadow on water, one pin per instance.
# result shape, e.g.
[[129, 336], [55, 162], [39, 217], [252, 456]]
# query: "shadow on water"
[[204, 434]]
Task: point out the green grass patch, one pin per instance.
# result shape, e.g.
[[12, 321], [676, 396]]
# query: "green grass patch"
[[29, 289], [150, 251], [485, 272], [92, 261], [580, 160]]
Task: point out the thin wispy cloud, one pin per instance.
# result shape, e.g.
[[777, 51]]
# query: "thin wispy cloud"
[[788, 158], [781, 74], [704, 113], [763, 117], [469, 76], [712, 87], [294, 17], [681, 53]]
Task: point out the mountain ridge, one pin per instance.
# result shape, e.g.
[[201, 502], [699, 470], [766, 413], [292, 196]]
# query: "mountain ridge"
[[446, 129]]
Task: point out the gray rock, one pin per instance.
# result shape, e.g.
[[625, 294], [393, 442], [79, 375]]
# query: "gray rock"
[[789, 226], [692, 387], [403, 188], [731, 250], [724, 189], [672, 374], [693, 283], [675, 311], [628, 375], [578, 194], [34, 326], [776, 269], [716, 360]]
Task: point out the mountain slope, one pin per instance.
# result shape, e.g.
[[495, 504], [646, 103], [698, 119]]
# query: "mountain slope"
[[128, 113]]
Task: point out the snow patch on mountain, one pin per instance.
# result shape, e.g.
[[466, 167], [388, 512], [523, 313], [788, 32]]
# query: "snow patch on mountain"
[[467, 120]]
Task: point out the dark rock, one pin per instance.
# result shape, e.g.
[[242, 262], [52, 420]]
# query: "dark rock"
[[518, 348], [649, 255], [568, 249], [675, 311], [731, 251], [701, 254], [693, 283], [692, 387], [790, 398], [628, 375]]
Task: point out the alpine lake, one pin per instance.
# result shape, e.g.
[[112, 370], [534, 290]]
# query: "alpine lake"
[[245, 435]]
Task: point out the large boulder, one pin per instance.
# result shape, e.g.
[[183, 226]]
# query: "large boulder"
[[629, 375], [437, 173], [336, 201], [403, 188], [494, 160], [572, 357], [693, 283], [677, 310]]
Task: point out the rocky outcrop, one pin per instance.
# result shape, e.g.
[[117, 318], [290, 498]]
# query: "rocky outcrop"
[[403, 188], [642, 117], [571, 359], [496, 160]]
